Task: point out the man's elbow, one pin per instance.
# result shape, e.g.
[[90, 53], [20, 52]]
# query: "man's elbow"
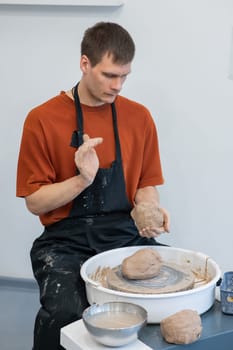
[[32, 206]]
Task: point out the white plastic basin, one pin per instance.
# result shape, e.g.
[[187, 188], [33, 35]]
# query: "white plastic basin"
[[158, 306]]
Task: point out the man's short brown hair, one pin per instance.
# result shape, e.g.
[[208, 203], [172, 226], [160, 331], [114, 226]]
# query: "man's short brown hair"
[[110, 38]]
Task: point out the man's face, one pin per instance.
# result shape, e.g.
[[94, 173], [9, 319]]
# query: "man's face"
[[104, 81]]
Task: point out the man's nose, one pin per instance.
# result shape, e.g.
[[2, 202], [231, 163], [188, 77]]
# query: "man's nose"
[[117, 83]]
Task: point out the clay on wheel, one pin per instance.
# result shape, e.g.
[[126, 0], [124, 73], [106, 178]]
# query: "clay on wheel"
[[145, 263]]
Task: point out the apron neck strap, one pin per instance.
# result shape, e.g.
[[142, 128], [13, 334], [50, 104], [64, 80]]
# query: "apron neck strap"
[[77, 137], [116, 134]]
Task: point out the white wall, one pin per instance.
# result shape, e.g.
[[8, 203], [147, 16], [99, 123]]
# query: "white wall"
[[180, 72]]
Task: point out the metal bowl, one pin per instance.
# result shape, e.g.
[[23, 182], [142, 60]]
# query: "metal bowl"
[[114, 323]]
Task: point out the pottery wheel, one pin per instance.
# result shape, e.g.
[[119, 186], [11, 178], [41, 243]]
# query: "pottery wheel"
[[170, 279]]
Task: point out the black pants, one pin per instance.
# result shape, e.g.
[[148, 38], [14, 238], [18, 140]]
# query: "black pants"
[[57, 256]]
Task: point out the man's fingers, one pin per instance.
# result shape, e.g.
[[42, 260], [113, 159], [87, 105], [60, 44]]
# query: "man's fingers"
[[94, 142], [85, 137], [166, 217], [150, 232], [89, 143]]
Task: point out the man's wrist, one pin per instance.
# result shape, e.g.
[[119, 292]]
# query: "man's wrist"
[[85, 182]]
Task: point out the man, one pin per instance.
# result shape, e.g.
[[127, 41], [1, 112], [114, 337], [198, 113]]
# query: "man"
[[87, 157]]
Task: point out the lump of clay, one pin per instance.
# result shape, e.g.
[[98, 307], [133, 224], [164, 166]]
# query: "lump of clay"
[[143, 264], [147, 215], [183, 327]]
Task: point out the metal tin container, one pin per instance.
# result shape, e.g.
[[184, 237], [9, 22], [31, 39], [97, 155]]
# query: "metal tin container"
[[226, 293]]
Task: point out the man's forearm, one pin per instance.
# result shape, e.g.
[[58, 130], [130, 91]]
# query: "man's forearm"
[[147, 194], [50, 197]]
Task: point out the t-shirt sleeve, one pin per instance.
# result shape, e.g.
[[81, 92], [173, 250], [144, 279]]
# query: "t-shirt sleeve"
[[151, 174], [34, 166]]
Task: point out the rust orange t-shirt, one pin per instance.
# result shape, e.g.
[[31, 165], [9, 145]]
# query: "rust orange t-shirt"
[[46, 156]]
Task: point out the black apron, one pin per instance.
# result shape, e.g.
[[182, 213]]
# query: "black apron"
[[107, 193], [104, 202], [99, 220]]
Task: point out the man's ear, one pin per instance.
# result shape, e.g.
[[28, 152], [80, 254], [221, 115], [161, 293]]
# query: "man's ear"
[[85, 64]]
